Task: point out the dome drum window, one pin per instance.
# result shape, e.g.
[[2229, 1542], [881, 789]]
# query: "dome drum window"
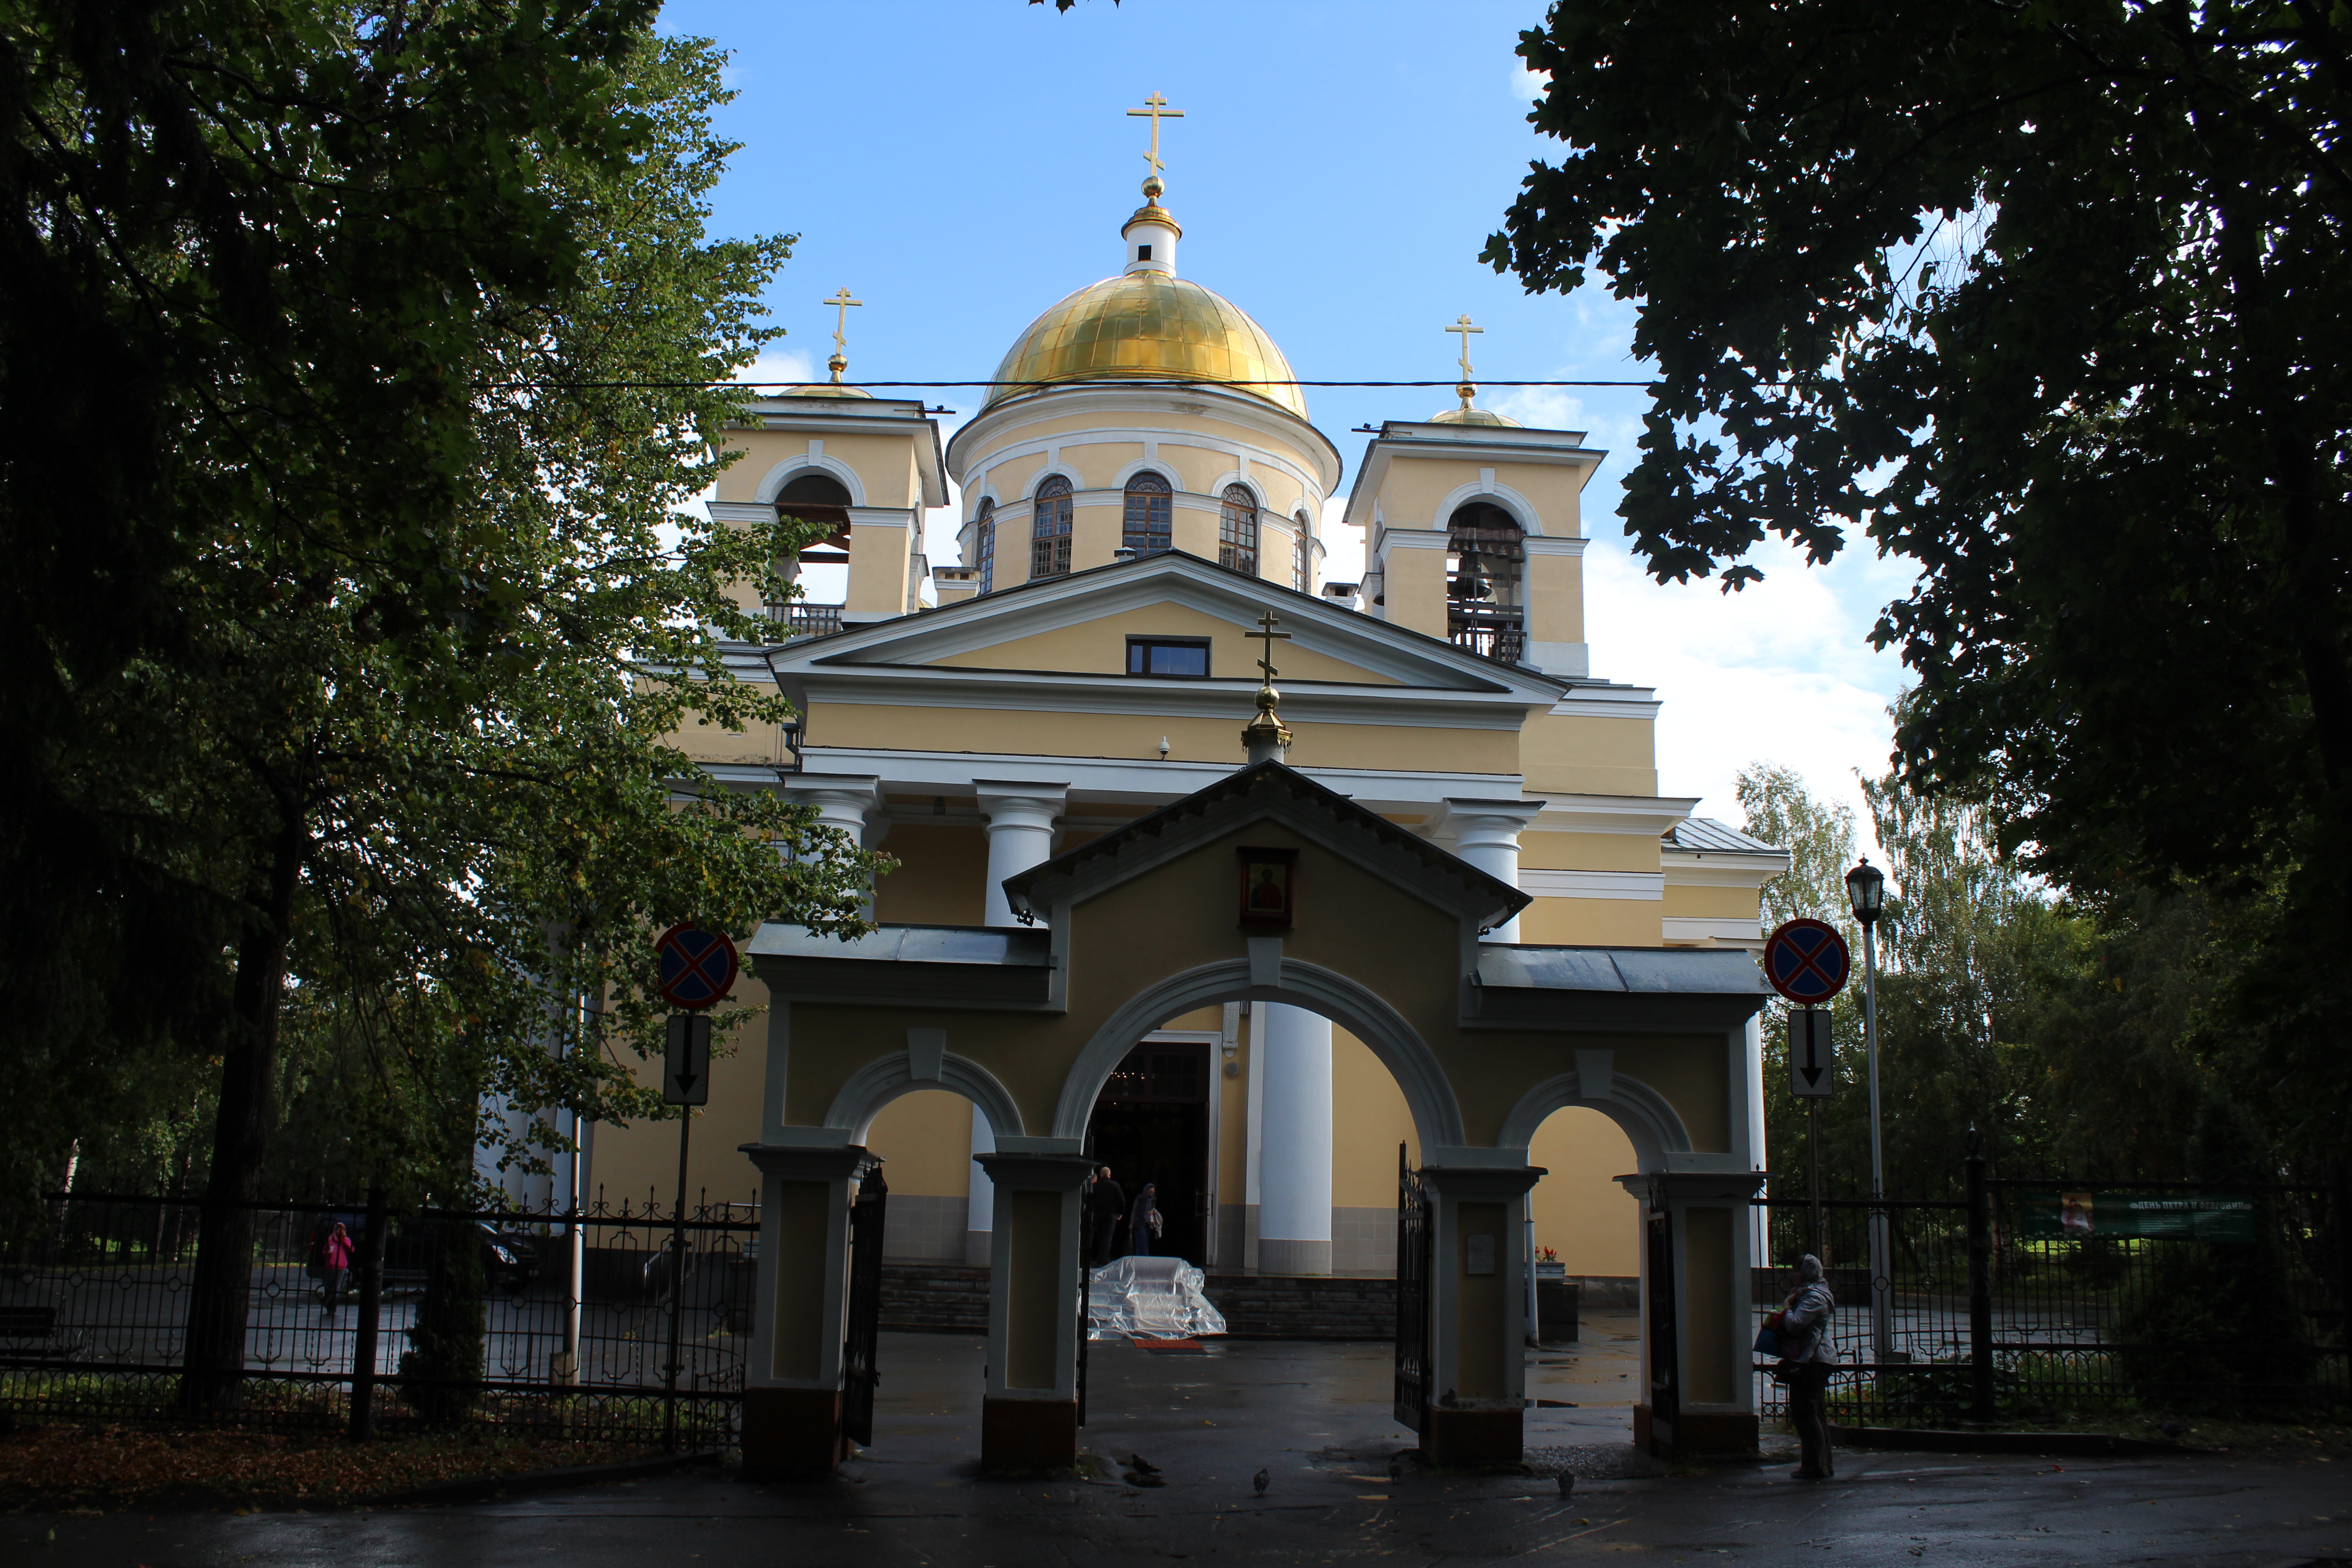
[[1049, 534], [1237, 531], [1149, 526], [1485, 591], [1302, 556], [983, 546]]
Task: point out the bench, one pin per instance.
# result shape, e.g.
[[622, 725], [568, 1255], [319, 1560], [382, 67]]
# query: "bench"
[[18, 1324]]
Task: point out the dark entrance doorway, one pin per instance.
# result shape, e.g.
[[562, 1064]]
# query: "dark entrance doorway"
[[1151, 1124]]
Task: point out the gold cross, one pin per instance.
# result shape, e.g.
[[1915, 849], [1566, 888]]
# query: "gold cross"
[[1266, 633], [1155, 109], [1462, 325], [841, 303]]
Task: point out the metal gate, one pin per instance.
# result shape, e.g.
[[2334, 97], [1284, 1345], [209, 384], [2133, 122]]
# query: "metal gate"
[[1412, 1271], [1666, 1370], [858, 1375]]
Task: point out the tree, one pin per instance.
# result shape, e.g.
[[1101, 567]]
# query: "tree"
[[428, 339], [2049, 299]]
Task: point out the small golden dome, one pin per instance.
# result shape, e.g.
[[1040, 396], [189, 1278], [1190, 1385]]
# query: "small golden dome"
[[824, 389], [1474, 416], [1148, 326]]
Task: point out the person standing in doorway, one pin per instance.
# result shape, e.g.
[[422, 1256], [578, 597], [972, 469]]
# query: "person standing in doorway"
[[1106, 1207], [1143, 1222], [1809, 1360], [334, 1266]]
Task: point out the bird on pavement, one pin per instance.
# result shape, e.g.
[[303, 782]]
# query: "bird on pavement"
[[1259, 1481], [1143, 1467], [1567, 1484]]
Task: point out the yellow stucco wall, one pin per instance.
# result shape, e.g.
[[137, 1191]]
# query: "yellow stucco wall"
[[1574, 754], [1099, 646], [884, 463], [1369, 1120], [1591, 922], [1581, 1211], [942, 877], [1588, 852], [926, 1136], [1721, 903], [1000, 731]]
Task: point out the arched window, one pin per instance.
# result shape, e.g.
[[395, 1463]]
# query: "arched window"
[[983, 547], [1302, 554], [1151, 515], [1049, 536], [1237, 531], [1484, 604]]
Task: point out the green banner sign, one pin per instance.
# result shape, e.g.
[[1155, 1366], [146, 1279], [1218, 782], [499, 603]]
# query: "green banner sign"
[[2171, 1216]]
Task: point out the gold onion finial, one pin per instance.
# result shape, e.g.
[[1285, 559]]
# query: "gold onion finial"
[[841, 303], [1267, 737], [1155, 109]]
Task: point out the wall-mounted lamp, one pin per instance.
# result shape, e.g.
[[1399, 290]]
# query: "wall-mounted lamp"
[[1164, 748]]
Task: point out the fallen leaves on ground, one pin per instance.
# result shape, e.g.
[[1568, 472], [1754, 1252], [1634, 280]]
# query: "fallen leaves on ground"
[[66, 1465]]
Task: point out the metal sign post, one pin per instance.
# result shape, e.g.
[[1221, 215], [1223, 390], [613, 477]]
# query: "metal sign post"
[[1806, 960], [1812, 1077], [697, 970]]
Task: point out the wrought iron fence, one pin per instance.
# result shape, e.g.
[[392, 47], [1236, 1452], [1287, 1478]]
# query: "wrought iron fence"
[[575, 1318], [1998, 1308]]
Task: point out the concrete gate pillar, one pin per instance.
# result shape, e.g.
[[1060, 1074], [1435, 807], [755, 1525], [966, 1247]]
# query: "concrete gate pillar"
[[791, 1386], [1029, 1416], [1478, 1373], [1702, 1348], [1021, 818]]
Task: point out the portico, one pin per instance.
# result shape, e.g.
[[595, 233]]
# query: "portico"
[[1145, 923]]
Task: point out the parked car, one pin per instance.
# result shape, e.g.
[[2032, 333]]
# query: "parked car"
[[509, 1258]]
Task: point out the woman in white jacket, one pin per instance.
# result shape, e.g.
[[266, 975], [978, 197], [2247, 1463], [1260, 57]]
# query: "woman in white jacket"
[[1810, 1358]]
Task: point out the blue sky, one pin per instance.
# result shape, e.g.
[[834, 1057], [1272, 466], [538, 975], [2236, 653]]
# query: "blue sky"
[[961, 164]]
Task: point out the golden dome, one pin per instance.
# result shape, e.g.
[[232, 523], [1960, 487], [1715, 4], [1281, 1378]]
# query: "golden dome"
[[1474, 416], [824, 389], [1148, 326]]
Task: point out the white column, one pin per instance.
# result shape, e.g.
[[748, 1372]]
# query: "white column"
[[1294, 1205], [1020, 834], [850, 802], [1486, 834], [979, 1208]]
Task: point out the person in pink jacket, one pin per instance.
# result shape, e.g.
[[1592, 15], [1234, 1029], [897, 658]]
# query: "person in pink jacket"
[[335, 1255]]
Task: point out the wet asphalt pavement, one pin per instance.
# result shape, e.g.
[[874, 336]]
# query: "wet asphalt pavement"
[[1315, 1418]]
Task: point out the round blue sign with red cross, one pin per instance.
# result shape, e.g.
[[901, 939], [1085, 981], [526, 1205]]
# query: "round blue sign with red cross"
[[698, 967], [1806, 960]]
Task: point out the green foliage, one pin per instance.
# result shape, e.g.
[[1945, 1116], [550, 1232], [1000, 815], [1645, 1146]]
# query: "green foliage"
[[349, 370], [444, 1343], [2050, 300]]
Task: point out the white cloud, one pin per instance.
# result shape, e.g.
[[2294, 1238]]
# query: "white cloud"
[[1781, 672], [783, 367], [1527, 85]]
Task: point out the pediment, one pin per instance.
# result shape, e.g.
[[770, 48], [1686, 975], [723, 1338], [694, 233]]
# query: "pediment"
[[1266, 791], [1079, 626]]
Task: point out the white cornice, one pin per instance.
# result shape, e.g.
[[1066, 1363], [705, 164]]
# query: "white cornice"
[[1640, 815], [1730, 932], [1647, 886], [1718, 869], [1610, 702], [1135, 781]]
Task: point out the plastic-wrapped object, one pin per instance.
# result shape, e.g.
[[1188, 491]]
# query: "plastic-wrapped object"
[[1153, 1297]]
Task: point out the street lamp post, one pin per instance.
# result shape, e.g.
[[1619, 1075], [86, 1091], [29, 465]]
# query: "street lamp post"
[[1866, 887]]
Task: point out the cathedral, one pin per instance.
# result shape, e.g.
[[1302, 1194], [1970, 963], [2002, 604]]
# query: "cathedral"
[[1145, 505]]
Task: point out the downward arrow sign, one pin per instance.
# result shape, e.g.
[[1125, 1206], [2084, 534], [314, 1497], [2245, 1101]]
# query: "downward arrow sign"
[[1812, 1074], [686, 1081]]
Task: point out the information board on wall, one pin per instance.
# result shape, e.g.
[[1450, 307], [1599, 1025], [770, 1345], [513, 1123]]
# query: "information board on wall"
[[2084, 1213]]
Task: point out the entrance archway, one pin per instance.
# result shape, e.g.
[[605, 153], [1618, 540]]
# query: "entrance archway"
[[1155, 919]]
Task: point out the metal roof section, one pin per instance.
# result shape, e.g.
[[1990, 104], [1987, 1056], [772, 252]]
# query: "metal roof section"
[[986, 966], [1704, 834], [1657, 990]]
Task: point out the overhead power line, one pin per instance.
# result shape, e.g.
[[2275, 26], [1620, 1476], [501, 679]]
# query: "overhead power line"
[[1104, 381]]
